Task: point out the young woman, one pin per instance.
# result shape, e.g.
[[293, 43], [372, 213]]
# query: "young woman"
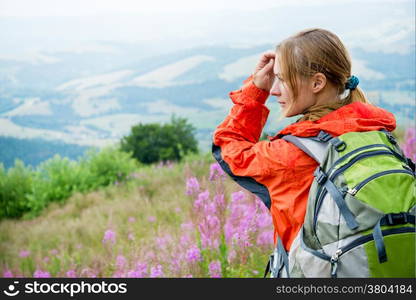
[[310, 75]]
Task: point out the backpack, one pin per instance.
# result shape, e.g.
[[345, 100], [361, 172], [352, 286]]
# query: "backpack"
[[360, 215]]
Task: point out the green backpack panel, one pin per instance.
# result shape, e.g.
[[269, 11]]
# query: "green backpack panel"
[[360, 218]]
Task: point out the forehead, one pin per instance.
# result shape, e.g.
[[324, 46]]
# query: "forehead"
[[276, 67]]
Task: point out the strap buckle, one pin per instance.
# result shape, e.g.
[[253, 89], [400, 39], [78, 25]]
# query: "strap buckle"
[[338, 144], [320, 175], [396, 219], [324, 136]]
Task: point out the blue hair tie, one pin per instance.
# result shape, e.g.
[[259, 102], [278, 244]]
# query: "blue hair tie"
[[352, 83]]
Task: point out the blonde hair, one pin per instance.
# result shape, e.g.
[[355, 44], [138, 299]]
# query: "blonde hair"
[[314, 51]]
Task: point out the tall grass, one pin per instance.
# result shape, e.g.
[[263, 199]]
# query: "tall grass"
[[158, 224], [169, 220]]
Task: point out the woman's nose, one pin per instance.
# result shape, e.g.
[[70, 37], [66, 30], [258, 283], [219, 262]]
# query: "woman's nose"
[[275, 90]]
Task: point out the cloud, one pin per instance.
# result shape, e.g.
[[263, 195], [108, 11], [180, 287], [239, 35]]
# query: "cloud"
[[388, 36], [359, 68], [166, 108], [35, 58], [99, 7], [220, 103]]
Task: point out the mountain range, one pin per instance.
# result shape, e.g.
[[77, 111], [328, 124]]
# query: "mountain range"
[[93, 99]]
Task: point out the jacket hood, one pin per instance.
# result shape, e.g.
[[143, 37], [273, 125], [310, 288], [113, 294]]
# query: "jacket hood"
[[356, 116]]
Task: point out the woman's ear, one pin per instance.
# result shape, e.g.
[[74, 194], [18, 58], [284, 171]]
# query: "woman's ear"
[[318, 82]]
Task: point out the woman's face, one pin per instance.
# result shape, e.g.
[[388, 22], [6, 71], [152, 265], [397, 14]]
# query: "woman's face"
[[284, 95]]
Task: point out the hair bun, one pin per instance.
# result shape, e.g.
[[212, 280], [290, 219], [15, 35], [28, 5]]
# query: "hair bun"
[[352, 83]]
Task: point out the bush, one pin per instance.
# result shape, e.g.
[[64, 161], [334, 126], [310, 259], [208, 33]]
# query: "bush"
[[23, 190], [15, 184], [151, 143], [55, 180], [102, 168]]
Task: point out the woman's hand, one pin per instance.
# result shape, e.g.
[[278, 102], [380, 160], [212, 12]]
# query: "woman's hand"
[[263, 75]]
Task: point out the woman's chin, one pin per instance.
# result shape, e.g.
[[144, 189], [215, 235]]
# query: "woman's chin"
[[289, 114]]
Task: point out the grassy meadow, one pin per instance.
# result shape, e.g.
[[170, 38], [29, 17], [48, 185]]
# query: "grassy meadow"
[[150, 226], [107, 216]]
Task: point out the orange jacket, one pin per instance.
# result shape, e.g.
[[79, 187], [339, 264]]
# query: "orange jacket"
[[276, 171]]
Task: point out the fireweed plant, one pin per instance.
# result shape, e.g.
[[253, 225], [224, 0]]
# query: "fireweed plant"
[[223, 235], [222, 232]]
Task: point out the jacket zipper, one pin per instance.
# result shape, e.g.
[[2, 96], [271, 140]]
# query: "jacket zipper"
[[358, 187], [322, 193]]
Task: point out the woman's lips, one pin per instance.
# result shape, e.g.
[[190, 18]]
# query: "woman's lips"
[[281, 103]]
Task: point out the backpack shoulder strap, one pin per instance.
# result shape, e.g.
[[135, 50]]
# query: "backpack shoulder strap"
[[310, 145]]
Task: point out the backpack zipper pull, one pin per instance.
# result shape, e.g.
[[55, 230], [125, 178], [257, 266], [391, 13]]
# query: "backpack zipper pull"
[[352, 191], [334, 263]]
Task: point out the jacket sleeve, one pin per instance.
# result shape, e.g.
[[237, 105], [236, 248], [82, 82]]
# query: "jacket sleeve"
[[236, 144]]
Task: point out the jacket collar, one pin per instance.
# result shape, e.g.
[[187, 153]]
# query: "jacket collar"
[[356, 116]]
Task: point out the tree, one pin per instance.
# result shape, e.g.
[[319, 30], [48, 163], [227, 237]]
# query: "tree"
[[150, 143]]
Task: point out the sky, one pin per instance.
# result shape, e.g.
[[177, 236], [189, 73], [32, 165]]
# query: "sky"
[[100, 7], [29, 28]]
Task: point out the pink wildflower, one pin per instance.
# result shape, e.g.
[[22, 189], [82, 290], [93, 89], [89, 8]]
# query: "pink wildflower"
[[219, 201], [24, 253], [185, 239], [265, 238], [54, 252], [41, 274], [193, 254], [215, 172], [109, 237], [210, 231], [215, 269], [130, 237], [8, 274], [192, 186], [202, 198], [237, 197], [121, 262], [187, 226], [141, 269], [156, 271], [133, 274], [409, 147], [71, 274]]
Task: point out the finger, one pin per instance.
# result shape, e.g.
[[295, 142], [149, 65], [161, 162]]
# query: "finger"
[[268, 68], [266, 56], [264, 60], [270, 54]]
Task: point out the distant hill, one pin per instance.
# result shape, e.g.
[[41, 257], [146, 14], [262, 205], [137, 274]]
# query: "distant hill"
[[94, 100], [34, 151]]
